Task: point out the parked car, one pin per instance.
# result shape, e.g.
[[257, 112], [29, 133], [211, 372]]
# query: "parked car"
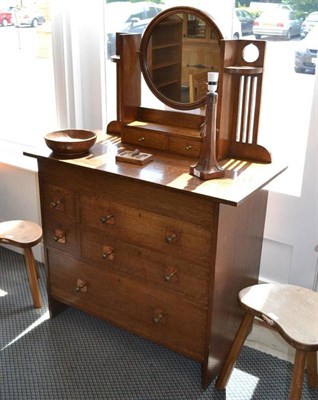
[[309, 23], [29, 17], [246, 19], [127, 17], [306, 54], [6, 17], [279, 23]]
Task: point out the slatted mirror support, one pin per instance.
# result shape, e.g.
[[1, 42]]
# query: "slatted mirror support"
[[239, 91]]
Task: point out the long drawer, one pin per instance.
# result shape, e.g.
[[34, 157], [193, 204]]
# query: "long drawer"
[[146, 266], [151, 312], [167, 235]]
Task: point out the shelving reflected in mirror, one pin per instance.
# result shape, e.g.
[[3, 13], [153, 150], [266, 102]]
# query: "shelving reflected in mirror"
[[178, 48]]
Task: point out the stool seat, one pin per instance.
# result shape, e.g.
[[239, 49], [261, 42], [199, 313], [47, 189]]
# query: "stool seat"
[[20, 233], [293, 312], [24, 234]]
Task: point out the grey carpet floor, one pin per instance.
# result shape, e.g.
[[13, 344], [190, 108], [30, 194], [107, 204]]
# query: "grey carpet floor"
[[76, 356]]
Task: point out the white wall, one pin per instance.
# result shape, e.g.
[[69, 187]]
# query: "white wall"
[[19, 198], [291, 231]]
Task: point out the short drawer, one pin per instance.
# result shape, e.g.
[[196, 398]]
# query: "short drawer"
[[186, 146], [58, 201], [61, 234], [191, 280], [153, 313], [164, 234], [155, 140]]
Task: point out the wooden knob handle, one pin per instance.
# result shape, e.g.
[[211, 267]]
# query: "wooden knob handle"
[[55, 204], [169, 276], [81, 286], [105, 219], [159, 317], [108, 253], [170, 238], [59, 236]]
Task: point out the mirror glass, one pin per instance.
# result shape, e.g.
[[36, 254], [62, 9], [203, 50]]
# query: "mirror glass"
[[178, 48]]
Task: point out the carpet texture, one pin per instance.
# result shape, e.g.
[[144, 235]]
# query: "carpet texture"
[[76, 356]]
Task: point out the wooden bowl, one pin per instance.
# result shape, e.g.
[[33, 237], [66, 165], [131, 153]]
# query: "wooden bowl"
[[70, 142]]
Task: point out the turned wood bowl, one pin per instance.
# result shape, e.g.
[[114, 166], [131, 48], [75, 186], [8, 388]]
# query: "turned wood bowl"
[[70, 142]]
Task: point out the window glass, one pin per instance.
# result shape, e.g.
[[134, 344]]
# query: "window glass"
[[27, 99], [138, 15], [152, 12], [196, 27]]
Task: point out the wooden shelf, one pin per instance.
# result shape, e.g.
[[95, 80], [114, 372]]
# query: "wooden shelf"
[[243, 70], [165, 45], [166, 57], [163, 65], [167, 83]]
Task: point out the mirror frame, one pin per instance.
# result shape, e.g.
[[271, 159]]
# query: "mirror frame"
[[146, 37]]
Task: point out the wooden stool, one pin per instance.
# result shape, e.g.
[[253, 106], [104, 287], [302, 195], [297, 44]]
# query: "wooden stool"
[[293, 312], [24, 234]]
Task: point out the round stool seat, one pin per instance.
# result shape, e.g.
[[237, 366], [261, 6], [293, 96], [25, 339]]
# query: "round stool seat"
[[24, 234], [293, 312], [20, 233]]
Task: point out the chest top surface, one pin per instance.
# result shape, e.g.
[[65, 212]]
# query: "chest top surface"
[[241, 180]]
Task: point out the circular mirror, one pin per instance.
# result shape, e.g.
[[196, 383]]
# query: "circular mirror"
[[178, 49]]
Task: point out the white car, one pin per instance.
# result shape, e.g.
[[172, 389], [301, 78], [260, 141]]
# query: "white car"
[[306, 53], [309, 23], [127, 17], [28, 17], [279, 23]]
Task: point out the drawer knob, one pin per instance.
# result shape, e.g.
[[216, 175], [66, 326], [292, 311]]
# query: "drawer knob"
[[188, 147], [59, 236], [108, 253], [56, 204], [141, 139], [81, 286], [170, 273], [159, 317], [107, 219], [170, 237]]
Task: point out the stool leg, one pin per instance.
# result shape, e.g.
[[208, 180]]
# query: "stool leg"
[[33, 278], [298, 375], [312, 369], [237, 345]]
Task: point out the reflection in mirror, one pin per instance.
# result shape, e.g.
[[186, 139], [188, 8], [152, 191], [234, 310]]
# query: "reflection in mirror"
[[177, 52]]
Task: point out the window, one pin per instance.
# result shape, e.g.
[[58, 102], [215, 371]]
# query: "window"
[[27, 99]]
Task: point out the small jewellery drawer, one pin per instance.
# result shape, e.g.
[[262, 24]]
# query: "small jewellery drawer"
[[154, 140], [146, 266], [164, 234], [58, 201], [156, 314], [188, 147], [61, 234]]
